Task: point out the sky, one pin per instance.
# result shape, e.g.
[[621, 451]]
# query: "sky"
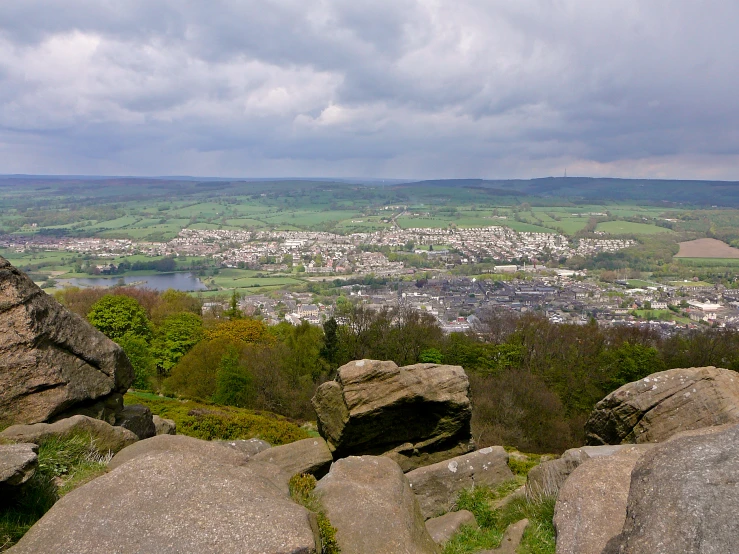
[[370, 88]]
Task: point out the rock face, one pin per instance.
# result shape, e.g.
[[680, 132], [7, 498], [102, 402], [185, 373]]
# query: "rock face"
[[18, 463], [304, 456], [443, 527], [175, 503], [547, 478], [665, 403], [416, 415], [250, 447], [683, 497], [105, 436], [369, 502], [52, 362], [591, 506], [164, 426], [437, 486], [138, 419]]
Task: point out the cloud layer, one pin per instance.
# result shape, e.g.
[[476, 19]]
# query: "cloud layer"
[[394, 88]]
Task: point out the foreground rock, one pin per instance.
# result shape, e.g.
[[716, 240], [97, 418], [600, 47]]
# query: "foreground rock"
[[105, 437], [250, 447], [417, 415], [369, 502], [443, 527], [656, 407], [683, 497], [547, 478], [591, 506], [164, 426], [303, 456], [175, 503], [52, 362], [437, 486], [138, 419], [18, 463], [511, 538]]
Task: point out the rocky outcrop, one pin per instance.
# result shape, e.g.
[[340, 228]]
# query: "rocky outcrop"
[[437, 486], [250, 447], [547, 478], [656, 407], [175, 503], [416, 415], [105, 437], [138, 419], [443, 527], [591, 506], [18, 463], [164, 426], [303, 456], [370, 503], [52, 362], [683, 497]]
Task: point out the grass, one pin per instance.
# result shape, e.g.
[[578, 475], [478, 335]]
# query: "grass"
[[630, 228], [213, 422], [709, 262], [302, 491]]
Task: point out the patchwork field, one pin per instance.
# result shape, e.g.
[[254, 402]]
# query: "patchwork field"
[[630, 228], [707, 248]]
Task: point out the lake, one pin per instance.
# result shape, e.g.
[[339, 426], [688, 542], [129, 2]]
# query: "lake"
[[161, 281]]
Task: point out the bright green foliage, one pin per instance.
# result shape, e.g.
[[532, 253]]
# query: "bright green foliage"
[[233, 382], [196, 373], [330, 347], [301, 491], [118, 315], [431, 356], [631, 362], [139, 354], [174, 338]]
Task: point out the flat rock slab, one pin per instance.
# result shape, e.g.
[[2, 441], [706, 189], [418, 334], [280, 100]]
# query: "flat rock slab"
[[303, 456], [511, 539], [250, 447], [174, 503], [52, 361], [106, 437], [18, 463], [547, 478], [437, 486], [417, 415], [442, 528], [370, 503], [684, 497]]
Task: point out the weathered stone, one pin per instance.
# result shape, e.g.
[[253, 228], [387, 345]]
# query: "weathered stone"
[[250, 447], [443, 527], [683, 498], [18, 463], [656, 407], [304, 456], [175, 503], [437, 486], [105, 437], [53, 363], [138, 419], [520, 492], [547, 478], [417, 415], [591, 506], [164, 426], [511, 539], [370, 503]]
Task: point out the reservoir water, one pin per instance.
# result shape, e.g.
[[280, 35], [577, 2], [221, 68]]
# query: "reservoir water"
[[161, 281]]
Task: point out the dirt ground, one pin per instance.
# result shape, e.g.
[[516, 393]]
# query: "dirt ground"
[[706, 248]]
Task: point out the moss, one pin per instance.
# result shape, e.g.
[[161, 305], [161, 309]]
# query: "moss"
[[302, 491]]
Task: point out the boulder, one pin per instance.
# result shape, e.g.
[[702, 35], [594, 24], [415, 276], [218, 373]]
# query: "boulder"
[[416, 415], [683, 497], [547, 478], [437, 486], [591, 506], [250, 447], [106, 437], [511, 538], [656, 407], [370, 503], [303, 456], [175, 503], [138, 419], [443, 527], [18, 463], [164, 426], [53, 363]]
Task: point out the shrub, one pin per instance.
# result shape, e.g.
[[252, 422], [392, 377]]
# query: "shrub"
[[301, 491]]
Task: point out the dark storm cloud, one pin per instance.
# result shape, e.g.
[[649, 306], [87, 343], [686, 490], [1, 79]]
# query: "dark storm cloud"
[[424, 88]]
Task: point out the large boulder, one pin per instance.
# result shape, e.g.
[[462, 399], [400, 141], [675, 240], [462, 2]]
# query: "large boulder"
[[18, 463], [683, 497], [656, 407], [138, 419], [437, 486], [250, 447], [547, 478], [53, 363], [304, 456], [105, 437], [416, 415], [164, 426], [370, 503], [175, 503], [591, 506]]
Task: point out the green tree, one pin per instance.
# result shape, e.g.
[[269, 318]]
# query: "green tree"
[[233, 382], [140, 356], [117, 316], [234, 312], [630, 362], [330, 342], [431, 356], [174, 338]]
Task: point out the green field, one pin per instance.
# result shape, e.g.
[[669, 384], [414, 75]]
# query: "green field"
[[629, 228], [709, 262]]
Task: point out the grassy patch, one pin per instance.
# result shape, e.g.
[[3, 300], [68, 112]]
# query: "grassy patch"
[[213, 422], [302, 491]]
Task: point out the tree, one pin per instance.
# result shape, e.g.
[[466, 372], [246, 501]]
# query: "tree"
[[139, 354], [234, 312], [233, 382], [245, 330], [431, 356], [174, 338], [117, 316], [330, 342]]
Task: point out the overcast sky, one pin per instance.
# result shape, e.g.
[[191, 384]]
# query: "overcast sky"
[[370, 88]]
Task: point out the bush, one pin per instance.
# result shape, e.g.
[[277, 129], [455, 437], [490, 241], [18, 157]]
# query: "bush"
[[301, 491]]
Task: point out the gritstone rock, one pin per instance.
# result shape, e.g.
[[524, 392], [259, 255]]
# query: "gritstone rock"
[[443, 527], [18, 463], [53, 363], [303, 456], [656, 407], [417, 415], [164, 426], [369, 502], [138, 419], [250, 447]]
